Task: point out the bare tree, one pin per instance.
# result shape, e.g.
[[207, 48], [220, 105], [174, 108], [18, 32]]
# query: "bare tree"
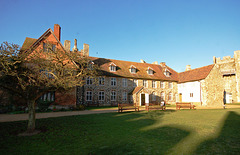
[[33, 73]]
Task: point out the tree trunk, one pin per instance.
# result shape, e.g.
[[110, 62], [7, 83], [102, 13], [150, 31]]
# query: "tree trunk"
[[31, 116]]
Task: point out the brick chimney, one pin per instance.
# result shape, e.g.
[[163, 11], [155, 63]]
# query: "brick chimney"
[[57, 31], [188, 67], [163, 64]]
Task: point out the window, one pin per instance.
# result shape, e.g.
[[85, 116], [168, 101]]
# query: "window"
[[101, 81], [153, 96], [170, 85], [48, 48], [50, 96], [124, 82], [191, 94], [161, 84], [101, 96], [150, 72], [167, 73], [124, 96], [135, 82], [89, 96], [170, 96], [162, 96], [113, 67], [89, 81], [133, 70], [113, 82], [90, 65], [113, 95], [154, 84], [144, 83]]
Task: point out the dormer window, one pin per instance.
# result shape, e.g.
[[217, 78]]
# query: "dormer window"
[[90, 65], [150, 71], [167, 73], [113, 67], [133, 69]]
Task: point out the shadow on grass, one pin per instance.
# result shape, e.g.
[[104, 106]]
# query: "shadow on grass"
[[110, 133], [228, 141]]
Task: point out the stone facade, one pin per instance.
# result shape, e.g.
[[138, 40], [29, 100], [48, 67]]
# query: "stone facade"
[[123, 90]]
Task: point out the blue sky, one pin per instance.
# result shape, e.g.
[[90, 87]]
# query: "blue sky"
[[178, 32]]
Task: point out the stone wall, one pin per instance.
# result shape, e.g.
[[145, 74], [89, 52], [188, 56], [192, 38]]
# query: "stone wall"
[[213, 88], [119, 88]]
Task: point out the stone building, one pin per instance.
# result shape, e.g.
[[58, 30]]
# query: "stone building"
[[140, 82]]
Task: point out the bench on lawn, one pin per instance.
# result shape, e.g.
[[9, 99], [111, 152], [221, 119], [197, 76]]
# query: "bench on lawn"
[[152, 106], [125, 106], [184, 105]]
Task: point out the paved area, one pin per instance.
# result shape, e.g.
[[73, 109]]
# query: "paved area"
[[21, 117]]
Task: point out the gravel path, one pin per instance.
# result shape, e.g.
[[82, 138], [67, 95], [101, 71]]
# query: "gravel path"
[[21, 117]]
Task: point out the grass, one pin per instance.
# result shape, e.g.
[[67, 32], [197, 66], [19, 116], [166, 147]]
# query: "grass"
[[155, 132]]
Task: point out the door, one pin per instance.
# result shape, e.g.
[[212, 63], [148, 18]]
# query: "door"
[[142, 99], [146, 99], [180, 97]]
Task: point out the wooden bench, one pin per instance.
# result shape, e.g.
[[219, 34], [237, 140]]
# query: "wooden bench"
[[125, 106], [184, 105], [152, 106]]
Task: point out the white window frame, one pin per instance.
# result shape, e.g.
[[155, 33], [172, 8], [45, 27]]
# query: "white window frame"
[[154, 84], [162, 96], [124, 96], [112, 67], [113, 95], [135, 82], [170, 85], [170, 96], [89, 96], [162, 84], [133, 70], [124, 82], [113, 81], [89, 81], [101, 81], [145, 83], [101, 95]]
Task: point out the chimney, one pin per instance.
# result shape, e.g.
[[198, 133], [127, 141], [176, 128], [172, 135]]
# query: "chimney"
[[155, 62], [57, 31], [142, 61], [85, 50], [75, 49], [188, 67], [67, 45], [163, 64]]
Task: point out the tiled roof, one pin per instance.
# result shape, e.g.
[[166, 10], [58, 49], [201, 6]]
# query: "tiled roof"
[[195, 74], [136, 90], [123, 67], [27, 43]]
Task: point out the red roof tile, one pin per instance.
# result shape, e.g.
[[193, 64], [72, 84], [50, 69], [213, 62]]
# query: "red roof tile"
[[124, 66], [195, 74]]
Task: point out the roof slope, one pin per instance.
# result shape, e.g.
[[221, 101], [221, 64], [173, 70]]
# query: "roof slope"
[[195, 74], [124, 66], [27, 43]]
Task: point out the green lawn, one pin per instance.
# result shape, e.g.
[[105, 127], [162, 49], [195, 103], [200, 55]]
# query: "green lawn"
[[156, 132]]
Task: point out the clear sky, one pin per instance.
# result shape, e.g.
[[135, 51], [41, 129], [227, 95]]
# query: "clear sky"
[[178, 32]]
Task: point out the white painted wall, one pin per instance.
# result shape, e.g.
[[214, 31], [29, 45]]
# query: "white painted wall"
[[190, 87]]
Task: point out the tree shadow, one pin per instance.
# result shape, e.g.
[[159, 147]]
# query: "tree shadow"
[[228, 141], [135, 139]]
